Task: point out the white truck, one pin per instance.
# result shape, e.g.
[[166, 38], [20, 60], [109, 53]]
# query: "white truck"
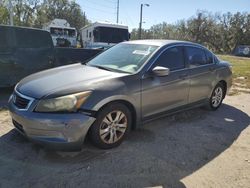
[[62, 34], [103, 35]]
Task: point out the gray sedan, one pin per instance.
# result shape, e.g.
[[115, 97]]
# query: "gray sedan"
[[119, 90]]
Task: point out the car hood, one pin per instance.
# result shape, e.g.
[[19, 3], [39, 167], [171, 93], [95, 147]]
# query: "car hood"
[[64, 80]]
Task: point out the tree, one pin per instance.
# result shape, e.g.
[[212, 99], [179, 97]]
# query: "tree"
[[63, 9], [35, 13], [4, 15], [218, 32], [25, 12]]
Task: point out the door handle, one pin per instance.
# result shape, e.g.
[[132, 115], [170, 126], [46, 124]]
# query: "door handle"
[[183, 76]]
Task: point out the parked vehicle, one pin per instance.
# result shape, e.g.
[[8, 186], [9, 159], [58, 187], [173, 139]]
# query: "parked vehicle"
[[63, 35], [123, 87], [24, 51], [103, 35], [242, 50]]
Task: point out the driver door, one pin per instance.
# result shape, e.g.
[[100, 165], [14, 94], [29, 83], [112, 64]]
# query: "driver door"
[[162, 93]]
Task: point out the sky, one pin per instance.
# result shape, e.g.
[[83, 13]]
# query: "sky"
[[169, 11]]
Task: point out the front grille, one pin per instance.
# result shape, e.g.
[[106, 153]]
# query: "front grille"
[[18, 126], [20, 102]]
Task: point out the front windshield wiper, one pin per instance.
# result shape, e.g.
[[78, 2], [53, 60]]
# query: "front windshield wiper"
[[101, 67], [107, 68]]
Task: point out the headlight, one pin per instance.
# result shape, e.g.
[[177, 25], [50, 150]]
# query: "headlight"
[[68, 103]]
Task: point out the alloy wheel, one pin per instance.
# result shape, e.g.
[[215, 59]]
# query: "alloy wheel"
[[113, 127], [217, 97]]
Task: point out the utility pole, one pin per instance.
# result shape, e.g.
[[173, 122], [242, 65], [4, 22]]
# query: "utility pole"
[[140, 24], [11, 13], [84, 19], [117, 14]]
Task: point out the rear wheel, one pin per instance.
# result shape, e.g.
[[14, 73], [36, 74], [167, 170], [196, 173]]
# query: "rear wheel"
[[217, 97], [111, 126]]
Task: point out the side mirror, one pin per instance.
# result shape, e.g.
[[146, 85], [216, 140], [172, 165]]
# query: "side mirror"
[[161, 71]]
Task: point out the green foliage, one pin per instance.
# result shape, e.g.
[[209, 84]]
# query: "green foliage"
[[25, 12], [35, 13], [4, 15], [219, 32], [63, 9]]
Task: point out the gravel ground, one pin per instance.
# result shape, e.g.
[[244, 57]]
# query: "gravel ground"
[[196, 148]]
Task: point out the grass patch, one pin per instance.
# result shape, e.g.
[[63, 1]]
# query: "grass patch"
[[241, 70]]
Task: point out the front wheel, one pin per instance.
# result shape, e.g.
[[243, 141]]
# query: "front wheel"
[[217, 97], [111, 126]]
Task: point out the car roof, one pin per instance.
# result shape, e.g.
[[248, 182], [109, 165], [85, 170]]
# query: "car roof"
[[159, 42], [21, 27]]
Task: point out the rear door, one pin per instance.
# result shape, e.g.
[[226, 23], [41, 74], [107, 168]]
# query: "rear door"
[[160, 94], [201, 71]]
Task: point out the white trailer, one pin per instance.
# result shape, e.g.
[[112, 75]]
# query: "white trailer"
[[103, 35], [61, 32]]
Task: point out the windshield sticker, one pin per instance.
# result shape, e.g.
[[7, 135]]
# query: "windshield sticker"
[[140, 52]]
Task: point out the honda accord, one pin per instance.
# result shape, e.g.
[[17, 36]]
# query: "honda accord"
[[118, 90]]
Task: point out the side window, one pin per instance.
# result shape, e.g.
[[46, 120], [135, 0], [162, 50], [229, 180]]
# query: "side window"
[[30, 38], [172, 58], [210, 57], [195, 57]]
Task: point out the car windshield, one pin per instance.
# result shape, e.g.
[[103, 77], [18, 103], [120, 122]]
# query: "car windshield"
[[123, 57]]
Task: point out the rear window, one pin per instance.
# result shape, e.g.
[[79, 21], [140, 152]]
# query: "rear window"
[[196, 57], [29, 38], [210, 57]]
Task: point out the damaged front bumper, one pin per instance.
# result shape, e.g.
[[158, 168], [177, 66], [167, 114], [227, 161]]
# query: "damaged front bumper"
[[57, 131]]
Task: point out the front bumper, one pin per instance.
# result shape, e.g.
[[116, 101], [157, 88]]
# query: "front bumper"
[[57, 131]]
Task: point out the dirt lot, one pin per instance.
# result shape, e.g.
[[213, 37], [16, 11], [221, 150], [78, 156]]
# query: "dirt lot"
[[196, 148]]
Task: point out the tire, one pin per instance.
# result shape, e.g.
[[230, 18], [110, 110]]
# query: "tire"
[[217, 97], [112, 124]]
